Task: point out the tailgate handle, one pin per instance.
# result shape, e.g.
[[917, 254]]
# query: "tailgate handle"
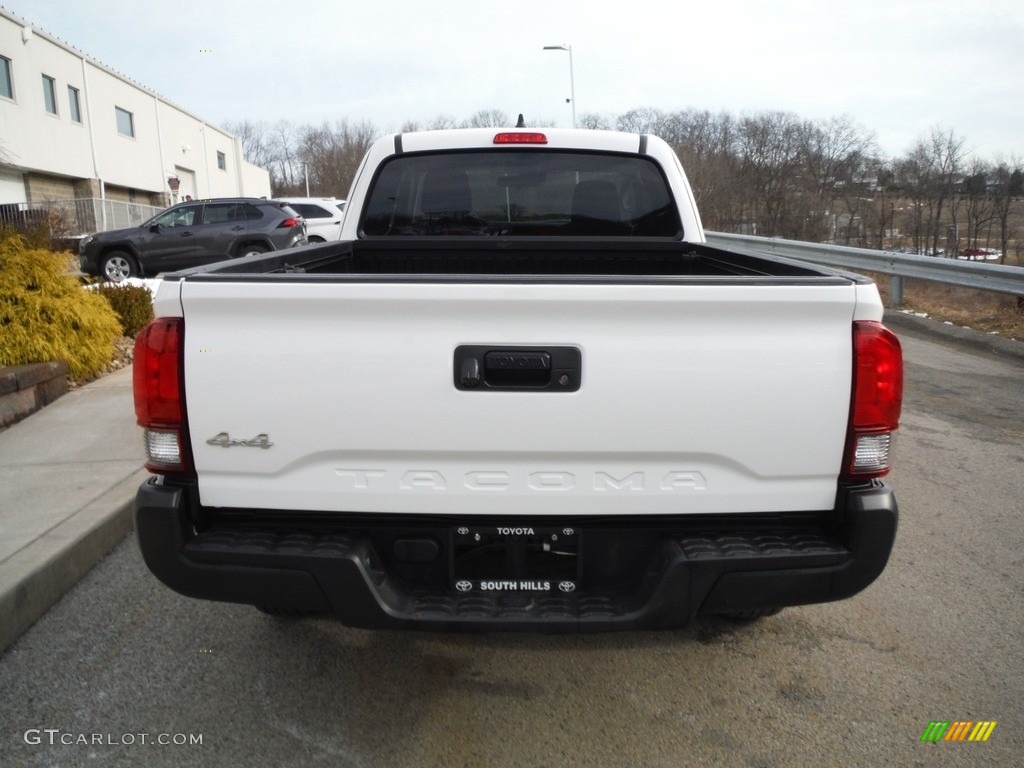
[[538, 369]]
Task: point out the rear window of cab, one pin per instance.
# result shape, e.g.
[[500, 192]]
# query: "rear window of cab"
[[520, 192]]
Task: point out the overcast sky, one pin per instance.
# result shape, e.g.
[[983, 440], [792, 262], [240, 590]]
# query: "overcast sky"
[[898, 67]]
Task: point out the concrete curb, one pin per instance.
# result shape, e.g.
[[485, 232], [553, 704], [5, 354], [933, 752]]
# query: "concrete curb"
[[35, 578], [978, 340]]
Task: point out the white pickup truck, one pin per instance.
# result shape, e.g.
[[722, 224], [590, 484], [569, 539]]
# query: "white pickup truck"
[[521, 393]]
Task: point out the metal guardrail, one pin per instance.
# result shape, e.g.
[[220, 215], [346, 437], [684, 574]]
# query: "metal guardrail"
[[970, 274]]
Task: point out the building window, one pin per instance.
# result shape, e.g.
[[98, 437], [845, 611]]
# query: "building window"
[[222, 161], [74, 105], [50, 94], [6, 84], [125, 122]]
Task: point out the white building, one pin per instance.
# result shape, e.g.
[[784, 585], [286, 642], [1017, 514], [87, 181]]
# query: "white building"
[[79, 137]]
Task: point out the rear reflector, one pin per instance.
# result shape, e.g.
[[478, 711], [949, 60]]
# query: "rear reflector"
[[876, 400], [159, 396], [520, 137]]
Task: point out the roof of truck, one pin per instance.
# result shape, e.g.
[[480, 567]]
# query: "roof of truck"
[[554, 138]]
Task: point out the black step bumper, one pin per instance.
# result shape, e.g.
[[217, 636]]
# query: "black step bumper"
[[673, 570]]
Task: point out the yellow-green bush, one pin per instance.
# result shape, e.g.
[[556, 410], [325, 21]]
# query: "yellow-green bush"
[[133, 305], [46, 315]]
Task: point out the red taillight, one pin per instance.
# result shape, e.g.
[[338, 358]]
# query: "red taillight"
[[876, 400], [289, 223], [159, 396], [520, 137], [156, 374]]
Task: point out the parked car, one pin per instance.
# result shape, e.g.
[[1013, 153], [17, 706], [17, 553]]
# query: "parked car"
[[978, 254], [322, 214], [190, 234]]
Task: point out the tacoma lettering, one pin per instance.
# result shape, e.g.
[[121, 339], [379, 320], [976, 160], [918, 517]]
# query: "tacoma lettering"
[[545, 481]]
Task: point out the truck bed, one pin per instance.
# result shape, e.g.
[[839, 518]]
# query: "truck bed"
[[551, 258]]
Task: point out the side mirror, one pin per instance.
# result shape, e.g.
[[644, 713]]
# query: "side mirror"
[[154, 228]]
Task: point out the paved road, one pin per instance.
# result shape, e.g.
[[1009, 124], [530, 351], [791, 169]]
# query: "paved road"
[[938, 637]]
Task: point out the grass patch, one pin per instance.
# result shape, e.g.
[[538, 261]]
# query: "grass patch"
[[967, 307]]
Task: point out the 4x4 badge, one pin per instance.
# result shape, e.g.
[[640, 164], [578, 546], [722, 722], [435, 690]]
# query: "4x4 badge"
[[224, 441]]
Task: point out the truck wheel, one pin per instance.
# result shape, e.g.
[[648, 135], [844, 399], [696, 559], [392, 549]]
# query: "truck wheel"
[[118, 266]]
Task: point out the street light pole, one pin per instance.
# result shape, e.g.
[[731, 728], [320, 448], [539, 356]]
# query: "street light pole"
[[572, 80]]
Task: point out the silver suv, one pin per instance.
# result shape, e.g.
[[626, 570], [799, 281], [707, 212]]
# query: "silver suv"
[[193, 233]]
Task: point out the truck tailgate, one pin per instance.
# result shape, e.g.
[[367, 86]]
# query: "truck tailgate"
[[693, 397]]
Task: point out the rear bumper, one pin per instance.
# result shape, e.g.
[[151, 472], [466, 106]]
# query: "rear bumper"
[[643, 573]]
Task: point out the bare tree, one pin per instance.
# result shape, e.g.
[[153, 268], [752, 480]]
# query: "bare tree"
[[771, 165], [836, 159], [595, 122], [946, 157], [1008, 187], [255, 143], [706, 145], [332, 155], [880, 208], [979, 204], [443, 122], [287, 166], [489, 118], [641, 120], [914, 175]]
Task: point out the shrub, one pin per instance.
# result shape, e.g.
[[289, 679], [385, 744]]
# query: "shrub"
[[45, 315], [42, 228], [133, 305]]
